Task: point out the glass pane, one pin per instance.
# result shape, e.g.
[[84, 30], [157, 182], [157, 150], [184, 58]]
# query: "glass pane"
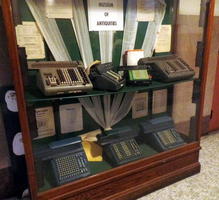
[[188, 34], [151, 114]]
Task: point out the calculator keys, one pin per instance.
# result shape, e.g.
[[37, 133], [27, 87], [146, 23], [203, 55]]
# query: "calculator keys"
[[126, 150], [70, 167]]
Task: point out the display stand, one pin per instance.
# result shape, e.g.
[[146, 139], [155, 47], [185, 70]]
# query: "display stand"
[[129, 181]]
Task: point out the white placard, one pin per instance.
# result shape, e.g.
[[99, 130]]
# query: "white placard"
[[105, 15], [29, 36], [145, 10], [188, 7], [163, 43], [18, 146], [216, 11], [45, 122], [71, 118], [159, 101], [59, 9], [11, 100], [140, 105]]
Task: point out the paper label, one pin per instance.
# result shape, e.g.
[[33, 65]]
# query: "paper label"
[[105, 15], [45, 122], [29, 36], [59, 9], [188, 7], [71, 118], [159, 101], [145, 10], [140, 105], [163, 43]]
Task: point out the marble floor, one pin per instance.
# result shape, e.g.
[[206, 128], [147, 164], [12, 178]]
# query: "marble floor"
[[203, 186]]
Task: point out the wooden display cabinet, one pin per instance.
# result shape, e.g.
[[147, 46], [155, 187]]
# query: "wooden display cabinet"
[[185, 104]]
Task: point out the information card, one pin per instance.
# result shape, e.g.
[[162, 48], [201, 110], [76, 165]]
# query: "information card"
[[45, 122], [105, 15], [29, 36], [71, 118]]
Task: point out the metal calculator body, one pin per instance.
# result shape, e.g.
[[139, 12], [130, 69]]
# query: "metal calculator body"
[[56, 78], [66, 159], [70, 167], [120, 146], [161, 134], [123, 152]]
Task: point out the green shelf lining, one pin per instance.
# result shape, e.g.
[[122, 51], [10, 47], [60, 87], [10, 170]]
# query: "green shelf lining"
[[33, 95]]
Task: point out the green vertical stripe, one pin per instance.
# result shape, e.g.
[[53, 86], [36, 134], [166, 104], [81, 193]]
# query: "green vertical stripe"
[[141, 31], [68, 35], [95, 44], [25, 13], [117, 47]]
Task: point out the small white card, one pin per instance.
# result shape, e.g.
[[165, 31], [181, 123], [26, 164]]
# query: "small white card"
[[45, 122], [163, 43], [59, 9], [159, 101], [140, 105], [105, 15], [188, 7], [71, 118], [145, 10]]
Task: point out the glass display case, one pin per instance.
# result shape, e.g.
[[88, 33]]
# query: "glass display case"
[[119, 128]]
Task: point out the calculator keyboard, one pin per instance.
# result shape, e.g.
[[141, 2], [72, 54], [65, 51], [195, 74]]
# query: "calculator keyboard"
[[70, 167], [167, 137], [126, 150]]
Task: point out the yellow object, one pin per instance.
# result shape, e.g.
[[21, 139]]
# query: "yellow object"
[[96, 62], [93, 151], [91, 136]]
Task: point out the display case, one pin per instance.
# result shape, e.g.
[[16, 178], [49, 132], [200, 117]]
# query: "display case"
[[115, 140]]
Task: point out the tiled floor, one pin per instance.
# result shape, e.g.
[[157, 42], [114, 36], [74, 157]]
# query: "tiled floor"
[[203, 186]]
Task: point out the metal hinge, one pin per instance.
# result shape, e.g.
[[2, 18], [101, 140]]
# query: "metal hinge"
[[203, 13], [199, 54], [211, 114], [196, 90]]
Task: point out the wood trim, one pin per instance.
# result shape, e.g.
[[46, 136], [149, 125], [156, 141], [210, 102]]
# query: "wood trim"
[[159, 183], [204, 69], [18, 83], [120, 172], [214, 121], [175, 27]]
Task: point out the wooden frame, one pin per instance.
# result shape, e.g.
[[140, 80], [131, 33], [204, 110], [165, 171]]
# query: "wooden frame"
[[214, 125], [125, 182]]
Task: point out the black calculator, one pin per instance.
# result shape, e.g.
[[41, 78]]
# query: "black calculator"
[[161, 134], [124, 151], [168, 137], [70, 167], [66, 158], [120, 146]]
